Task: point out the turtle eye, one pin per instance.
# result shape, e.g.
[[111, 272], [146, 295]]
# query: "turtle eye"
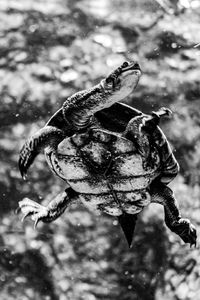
[[109, 80], [125, 64]]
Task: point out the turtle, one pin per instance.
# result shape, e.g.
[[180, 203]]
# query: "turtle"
[[113, 157]]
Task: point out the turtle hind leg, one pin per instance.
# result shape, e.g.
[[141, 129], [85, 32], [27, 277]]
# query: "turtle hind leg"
[[162, 194], [47, 136], [48, 213]]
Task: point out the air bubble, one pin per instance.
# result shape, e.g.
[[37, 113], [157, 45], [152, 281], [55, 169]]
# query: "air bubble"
[[115, 223], [130, 287], [126, 272]]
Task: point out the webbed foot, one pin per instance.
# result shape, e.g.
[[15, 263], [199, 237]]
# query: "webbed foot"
[[49, 213], [186, 231], [36, 211]]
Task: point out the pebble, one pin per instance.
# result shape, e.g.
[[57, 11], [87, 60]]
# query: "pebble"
[[182, 291], [66, 63], [69, 76], [43, 73], [20, 57]]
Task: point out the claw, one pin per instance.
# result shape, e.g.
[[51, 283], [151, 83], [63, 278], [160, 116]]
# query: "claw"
[[24, 176], [17, 210], [194, 236], [186, 231], [35, 223], [31, 208], [195, 245], [25, 216], [22, 167]]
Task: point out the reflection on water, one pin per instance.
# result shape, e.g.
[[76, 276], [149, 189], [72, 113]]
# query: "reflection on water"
[[48, 51]]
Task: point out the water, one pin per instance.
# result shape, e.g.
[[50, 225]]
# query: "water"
[[48, 51]]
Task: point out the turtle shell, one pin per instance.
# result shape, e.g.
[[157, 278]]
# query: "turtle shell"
[[104, 167]]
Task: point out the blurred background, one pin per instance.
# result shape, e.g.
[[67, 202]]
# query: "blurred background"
[[49, 49]]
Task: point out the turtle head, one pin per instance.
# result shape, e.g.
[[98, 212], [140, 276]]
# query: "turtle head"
[[122, 81], [115, 87]]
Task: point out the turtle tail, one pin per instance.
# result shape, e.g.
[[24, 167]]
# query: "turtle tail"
[[128, 222], [47, 136]]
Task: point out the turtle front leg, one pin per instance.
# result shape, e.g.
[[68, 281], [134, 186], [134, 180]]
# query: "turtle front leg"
[[151, 122], [162, 194], [47, 136], [48, 213]]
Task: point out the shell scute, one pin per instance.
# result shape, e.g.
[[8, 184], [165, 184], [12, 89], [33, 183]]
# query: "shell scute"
[[80, 139], [103, 136], [96, 155], [107, 170], [67, 147], [73, 167], [130, 202], [122, 145], [130, 165], [89, 185]]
